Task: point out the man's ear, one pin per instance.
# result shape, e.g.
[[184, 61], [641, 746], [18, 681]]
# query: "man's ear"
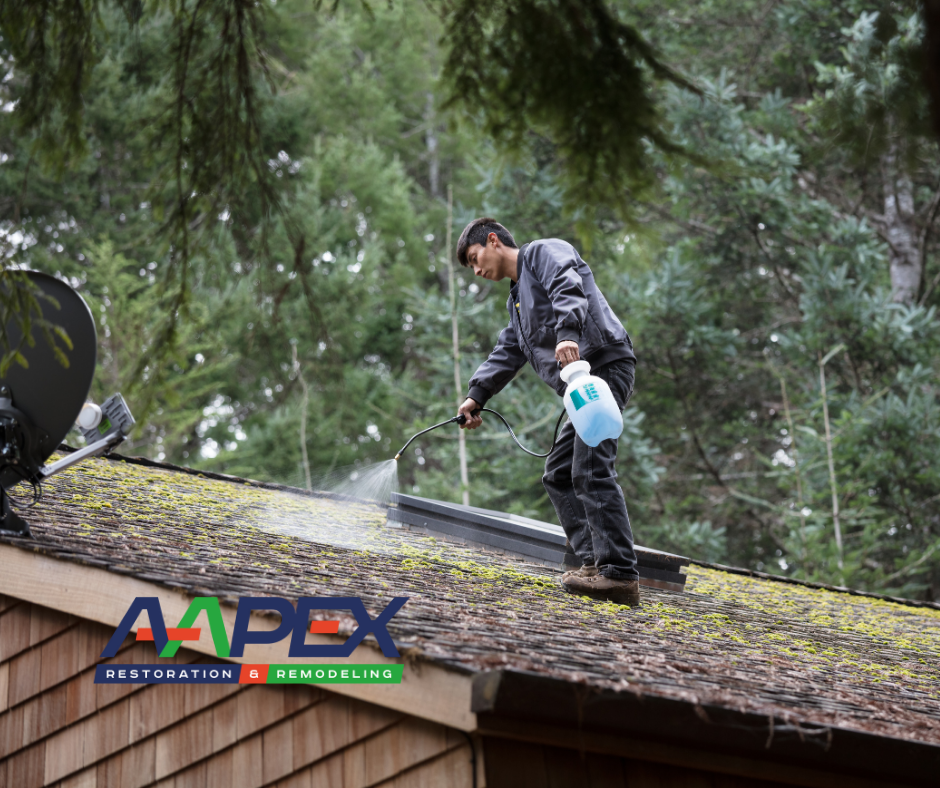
[[493, 239]]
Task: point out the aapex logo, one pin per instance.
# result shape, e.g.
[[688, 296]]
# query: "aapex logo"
[[294, 623]]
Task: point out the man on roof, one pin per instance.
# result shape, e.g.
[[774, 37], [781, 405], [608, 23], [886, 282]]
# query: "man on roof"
[[558, 315]]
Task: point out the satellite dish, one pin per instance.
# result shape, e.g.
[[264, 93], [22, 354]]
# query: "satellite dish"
[[40, 402], [49, 394]]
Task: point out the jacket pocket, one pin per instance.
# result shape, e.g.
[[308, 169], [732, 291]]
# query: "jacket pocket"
[[595, 336], [544, 348]]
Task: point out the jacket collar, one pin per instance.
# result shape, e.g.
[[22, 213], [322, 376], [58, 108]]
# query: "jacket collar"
[[513, 286]]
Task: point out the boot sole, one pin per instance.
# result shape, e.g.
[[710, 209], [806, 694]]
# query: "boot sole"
[[633, 600]]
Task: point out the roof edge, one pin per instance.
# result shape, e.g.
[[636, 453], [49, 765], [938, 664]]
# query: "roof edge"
[[430, 689]]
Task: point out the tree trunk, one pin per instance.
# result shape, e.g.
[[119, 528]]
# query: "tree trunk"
[[901, 230], [455, 340], [434, 164]]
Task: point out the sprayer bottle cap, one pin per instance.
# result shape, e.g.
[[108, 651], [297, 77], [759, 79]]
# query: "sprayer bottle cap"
[[574, 370]]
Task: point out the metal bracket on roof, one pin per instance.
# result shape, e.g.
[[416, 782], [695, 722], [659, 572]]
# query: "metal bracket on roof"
[[533, 540], [93, 450]]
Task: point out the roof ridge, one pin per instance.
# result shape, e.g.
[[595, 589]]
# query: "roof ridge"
[[736, 570], [146, 462]]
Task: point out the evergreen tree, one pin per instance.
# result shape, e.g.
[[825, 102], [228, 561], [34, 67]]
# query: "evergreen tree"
[[250, 268]]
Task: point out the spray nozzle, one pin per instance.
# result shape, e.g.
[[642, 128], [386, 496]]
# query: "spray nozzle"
[[455, 420]]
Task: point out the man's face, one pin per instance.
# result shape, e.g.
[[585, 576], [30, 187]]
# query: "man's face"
[[486, 260]]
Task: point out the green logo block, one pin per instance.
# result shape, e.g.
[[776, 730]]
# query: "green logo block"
[[335, 674]]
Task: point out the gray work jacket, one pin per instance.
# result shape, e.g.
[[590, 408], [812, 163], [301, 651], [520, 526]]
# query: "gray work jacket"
[[554, 299]]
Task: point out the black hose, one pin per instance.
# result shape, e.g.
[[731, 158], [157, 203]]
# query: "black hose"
[[513, 435], [455, 420], [462, 419]]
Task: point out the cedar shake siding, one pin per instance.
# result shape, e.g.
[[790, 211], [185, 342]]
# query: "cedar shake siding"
[[57, 728]]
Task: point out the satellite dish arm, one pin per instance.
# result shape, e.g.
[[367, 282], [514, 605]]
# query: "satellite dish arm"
[[92, 450], [107, 426]]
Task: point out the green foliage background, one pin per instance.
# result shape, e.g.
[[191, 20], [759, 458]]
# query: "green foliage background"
[[742, 229]]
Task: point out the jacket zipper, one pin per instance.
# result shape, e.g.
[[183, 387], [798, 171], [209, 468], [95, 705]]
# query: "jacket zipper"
[[532, 356]]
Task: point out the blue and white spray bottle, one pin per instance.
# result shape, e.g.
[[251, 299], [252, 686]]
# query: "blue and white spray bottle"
[[591, 407]]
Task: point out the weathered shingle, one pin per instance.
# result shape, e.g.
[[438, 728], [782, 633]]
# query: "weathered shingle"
[[752, 644]]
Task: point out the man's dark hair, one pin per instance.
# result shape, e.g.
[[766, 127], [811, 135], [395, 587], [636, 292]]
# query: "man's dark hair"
[[477, 232]]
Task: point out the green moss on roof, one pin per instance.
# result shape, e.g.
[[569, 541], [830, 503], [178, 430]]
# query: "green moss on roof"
[[756, 644]]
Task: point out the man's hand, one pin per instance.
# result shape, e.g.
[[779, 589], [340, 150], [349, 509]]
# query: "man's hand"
[[566, 352], [472, 422]]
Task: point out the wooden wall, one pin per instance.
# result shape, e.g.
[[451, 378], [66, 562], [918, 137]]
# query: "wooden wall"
[[57, 728]]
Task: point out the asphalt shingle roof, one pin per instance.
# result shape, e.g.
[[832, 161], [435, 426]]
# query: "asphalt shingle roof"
[[810, 655]]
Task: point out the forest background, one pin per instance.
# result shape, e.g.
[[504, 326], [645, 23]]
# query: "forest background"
[[770, 247]]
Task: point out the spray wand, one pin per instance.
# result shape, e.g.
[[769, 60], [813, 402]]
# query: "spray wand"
[[461, 419]]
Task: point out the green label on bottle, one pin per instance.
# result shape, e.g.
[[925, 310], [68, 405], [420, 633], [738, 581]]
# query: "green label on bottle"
[[583, 395]]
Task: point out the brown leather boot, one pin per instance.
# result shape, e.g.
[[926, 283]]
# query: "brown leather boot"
[[623, 592], [584, 571]]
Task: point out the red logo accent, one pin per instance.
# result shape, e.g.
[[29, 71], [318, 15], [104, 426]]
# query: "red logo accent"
[[173, 633], [324, 627]]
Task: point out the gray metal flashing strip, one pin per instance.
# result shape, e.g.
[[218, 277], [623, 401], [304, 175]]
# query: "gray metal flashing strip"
[[544, 542], [552, 534], [525, 522], [475, 534]]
